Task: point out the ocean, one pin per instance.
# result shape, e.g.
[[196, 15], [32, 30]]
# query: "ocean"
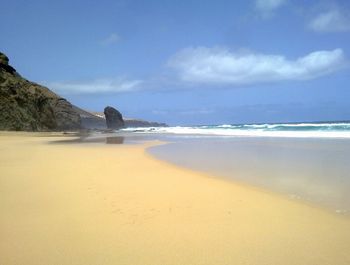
[[306, 161], [303, 130]]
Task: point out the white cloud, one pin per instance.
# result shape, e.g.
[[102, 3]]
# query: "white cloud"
[[111, 39], [267, 7], [331, 21], [96, 86], [221, 66]]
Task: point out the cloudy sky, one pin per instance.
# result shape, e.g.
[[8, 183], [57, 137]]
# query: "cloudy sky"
[[188, 62]]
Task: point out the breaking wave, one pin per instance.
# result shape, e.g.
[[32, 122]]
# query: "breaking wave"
[[319, 130]]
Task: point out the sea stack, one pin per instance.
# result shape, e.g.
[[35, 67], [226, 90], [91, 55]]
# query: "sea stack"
[[114, 118]]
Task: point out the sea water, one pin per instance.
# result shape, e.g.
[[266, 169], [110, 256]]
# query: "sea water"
[[295, 130], [305, 161]]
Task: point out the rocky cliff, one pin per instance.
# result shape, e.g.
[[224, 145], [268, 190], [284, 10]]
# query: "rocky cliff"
[[91, 120], [27, 106]]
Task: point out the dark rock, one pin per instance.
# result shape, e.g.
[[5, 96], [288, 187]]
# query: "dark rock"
[[4, 64], [114, 118], [97, 121], [4, 59], [27, 106]]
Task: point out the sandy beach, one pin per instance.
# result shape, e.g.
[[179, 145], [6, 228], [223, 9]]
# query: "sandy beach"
[[115, 204]]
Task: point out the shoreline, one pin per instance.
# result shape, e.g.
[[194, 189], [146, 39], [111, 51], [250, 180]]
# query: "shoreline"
[[243, 184], [246, 185], [292, 168], [162, 140], [117, 204]]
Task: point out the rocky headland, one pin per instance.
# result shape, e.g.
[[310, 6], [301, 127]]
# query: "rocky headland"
[[28, 106]]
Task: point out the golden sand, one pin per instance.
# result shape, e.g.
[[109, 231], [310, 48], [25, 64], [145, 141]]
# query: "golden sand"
[[114, 204]]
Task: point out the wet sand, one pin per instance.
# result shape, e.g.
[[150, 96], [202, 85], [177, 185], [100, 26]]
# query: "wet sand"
[[315, 170], [115, 204]]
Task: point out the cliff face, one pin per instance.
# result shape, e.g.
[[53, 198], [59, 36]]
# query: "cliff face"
[[90, 120], [27, 106]]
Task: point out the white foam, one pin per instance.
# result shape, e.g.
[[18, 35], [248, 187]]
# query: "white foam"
[[225, 126], [238, 133]]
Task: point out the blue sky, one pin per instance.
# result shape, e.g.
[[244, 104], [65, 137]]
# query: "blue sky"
[[188, 62]]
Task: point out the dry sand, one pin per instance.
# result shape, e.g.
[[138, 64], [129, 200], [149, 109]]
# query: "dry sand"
[[114, 204]]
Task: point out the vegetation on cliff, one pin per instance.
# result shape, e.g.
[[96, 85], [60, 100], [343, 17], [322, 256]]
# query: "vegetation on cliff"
[[27, 106]]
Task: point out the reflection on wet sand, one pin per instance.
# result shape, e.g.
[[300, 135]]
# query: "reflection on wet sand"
[[92, 139], [115, 140]]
